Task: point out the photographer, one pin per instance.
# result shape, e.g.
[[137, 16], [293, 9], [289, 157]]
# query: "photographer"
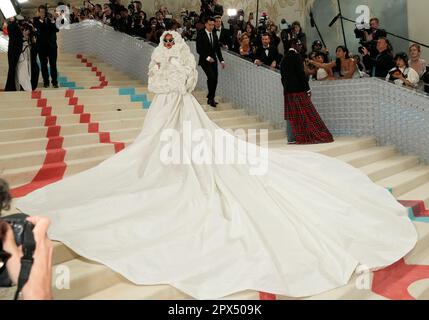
[[369, 35], [38, 286], [295, 32], [402, 74], [237, 26], [46, 30], [379, 65]]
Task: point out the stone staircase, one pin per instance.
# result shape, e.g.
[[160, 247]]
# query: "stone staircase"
[[96, 123]]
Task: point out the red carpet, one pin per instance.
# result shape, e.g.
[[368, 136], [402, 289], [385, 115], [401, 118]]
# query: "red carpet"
[[53, 167]]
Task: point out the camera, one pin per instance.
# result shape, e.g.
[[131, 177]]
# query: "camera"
[[364, 28], [23, 233]]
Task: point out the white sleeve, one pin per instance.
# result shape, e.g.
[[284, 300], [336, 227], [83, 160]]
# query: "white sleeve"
[[413, 76]]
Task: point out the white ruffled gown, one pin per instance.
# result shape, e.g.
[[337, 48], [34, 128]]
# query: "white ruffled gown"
[[212, 230]]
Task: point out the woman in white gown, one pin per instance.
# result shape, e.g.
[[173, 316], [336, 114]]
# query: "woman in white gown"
[[211, 229]]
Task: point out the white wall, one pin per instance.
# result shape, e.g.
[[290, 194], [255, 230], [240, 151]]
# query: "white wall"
[[418, 23]]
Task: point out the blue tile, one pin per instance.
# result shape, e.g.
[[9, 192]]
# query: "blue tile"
[[138, 98], [127, 91]]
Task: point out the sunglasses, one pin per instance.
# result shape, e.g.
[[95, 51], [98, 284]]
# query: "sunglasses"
[[169, 41]]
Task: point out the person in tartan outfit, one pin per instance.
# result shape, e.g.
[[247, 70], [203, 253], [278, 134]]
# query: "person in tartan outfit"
[[304, 124]]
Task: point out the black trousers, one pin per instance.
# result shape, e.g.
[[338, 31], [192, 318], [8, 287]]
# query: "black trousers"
[[211, 71], [51, 56]]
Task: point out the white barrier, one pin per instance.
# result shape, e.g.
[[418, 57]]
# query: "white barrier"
[[394, 115]]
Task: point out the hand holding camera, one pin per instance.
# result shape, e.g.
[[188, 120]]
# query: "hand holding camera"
[[25, 252]]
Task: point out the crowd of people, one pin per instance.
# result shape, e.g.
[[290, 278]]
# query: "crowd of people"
[[29, 39], [260, 41], [255, 39]]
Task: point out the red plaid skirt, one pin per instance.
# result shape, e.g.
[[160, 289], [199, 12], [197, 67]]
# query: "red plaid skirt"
[[307, 125]]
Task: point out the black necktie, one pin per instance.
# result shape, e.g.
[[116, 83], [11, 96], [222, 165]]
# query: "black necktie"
[[211, 39]]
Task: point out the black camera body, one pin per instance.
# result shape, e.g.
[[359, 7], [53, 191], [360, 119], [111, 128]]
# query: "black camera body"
[[371, 46], [262, 25], [23, 233]]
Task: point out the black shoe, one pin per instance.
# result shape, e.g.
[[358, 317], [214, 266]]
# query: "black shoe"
[[211, 103], [46, 85], [55, 86]]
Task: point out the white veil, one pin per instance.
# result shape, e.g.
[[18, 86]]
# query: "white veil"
[[184, 63]]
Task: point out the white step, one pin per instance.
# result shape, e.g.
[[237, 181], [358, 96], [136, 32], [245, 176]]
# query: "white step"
[[407, 180]]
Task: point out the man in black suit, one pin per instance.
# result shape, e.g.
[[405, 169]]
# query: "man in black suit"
[[47, 48], [208, 48], [382, 63], [222, 34], [267, 54]]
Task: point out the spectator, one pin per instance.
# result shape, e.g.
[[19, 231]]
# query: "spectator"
[[345, 66], [275, 39], [74, 16], [251, 32], [125, 23], [246, 49], [98, 12], [402, 74], [361, 67], [175, 26], [211, 8], [138, 7], [416, 62], [151, 35], [140, 25], [323, 70], [160, 18], [108, 17], [188, 33], [381, 64], [223, 34], [267, 54], [318, 46]]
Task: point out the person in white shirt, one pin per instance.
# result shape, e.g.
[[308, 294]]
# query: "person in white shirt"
[[416, 62], [402, 74]]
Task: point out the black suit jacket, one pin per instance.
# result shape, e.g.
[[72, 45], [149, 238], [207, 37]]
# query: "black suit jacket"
[[205, 49], [273, 55], [293, 75], [383, 63], [46, 32], [225, 37]]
